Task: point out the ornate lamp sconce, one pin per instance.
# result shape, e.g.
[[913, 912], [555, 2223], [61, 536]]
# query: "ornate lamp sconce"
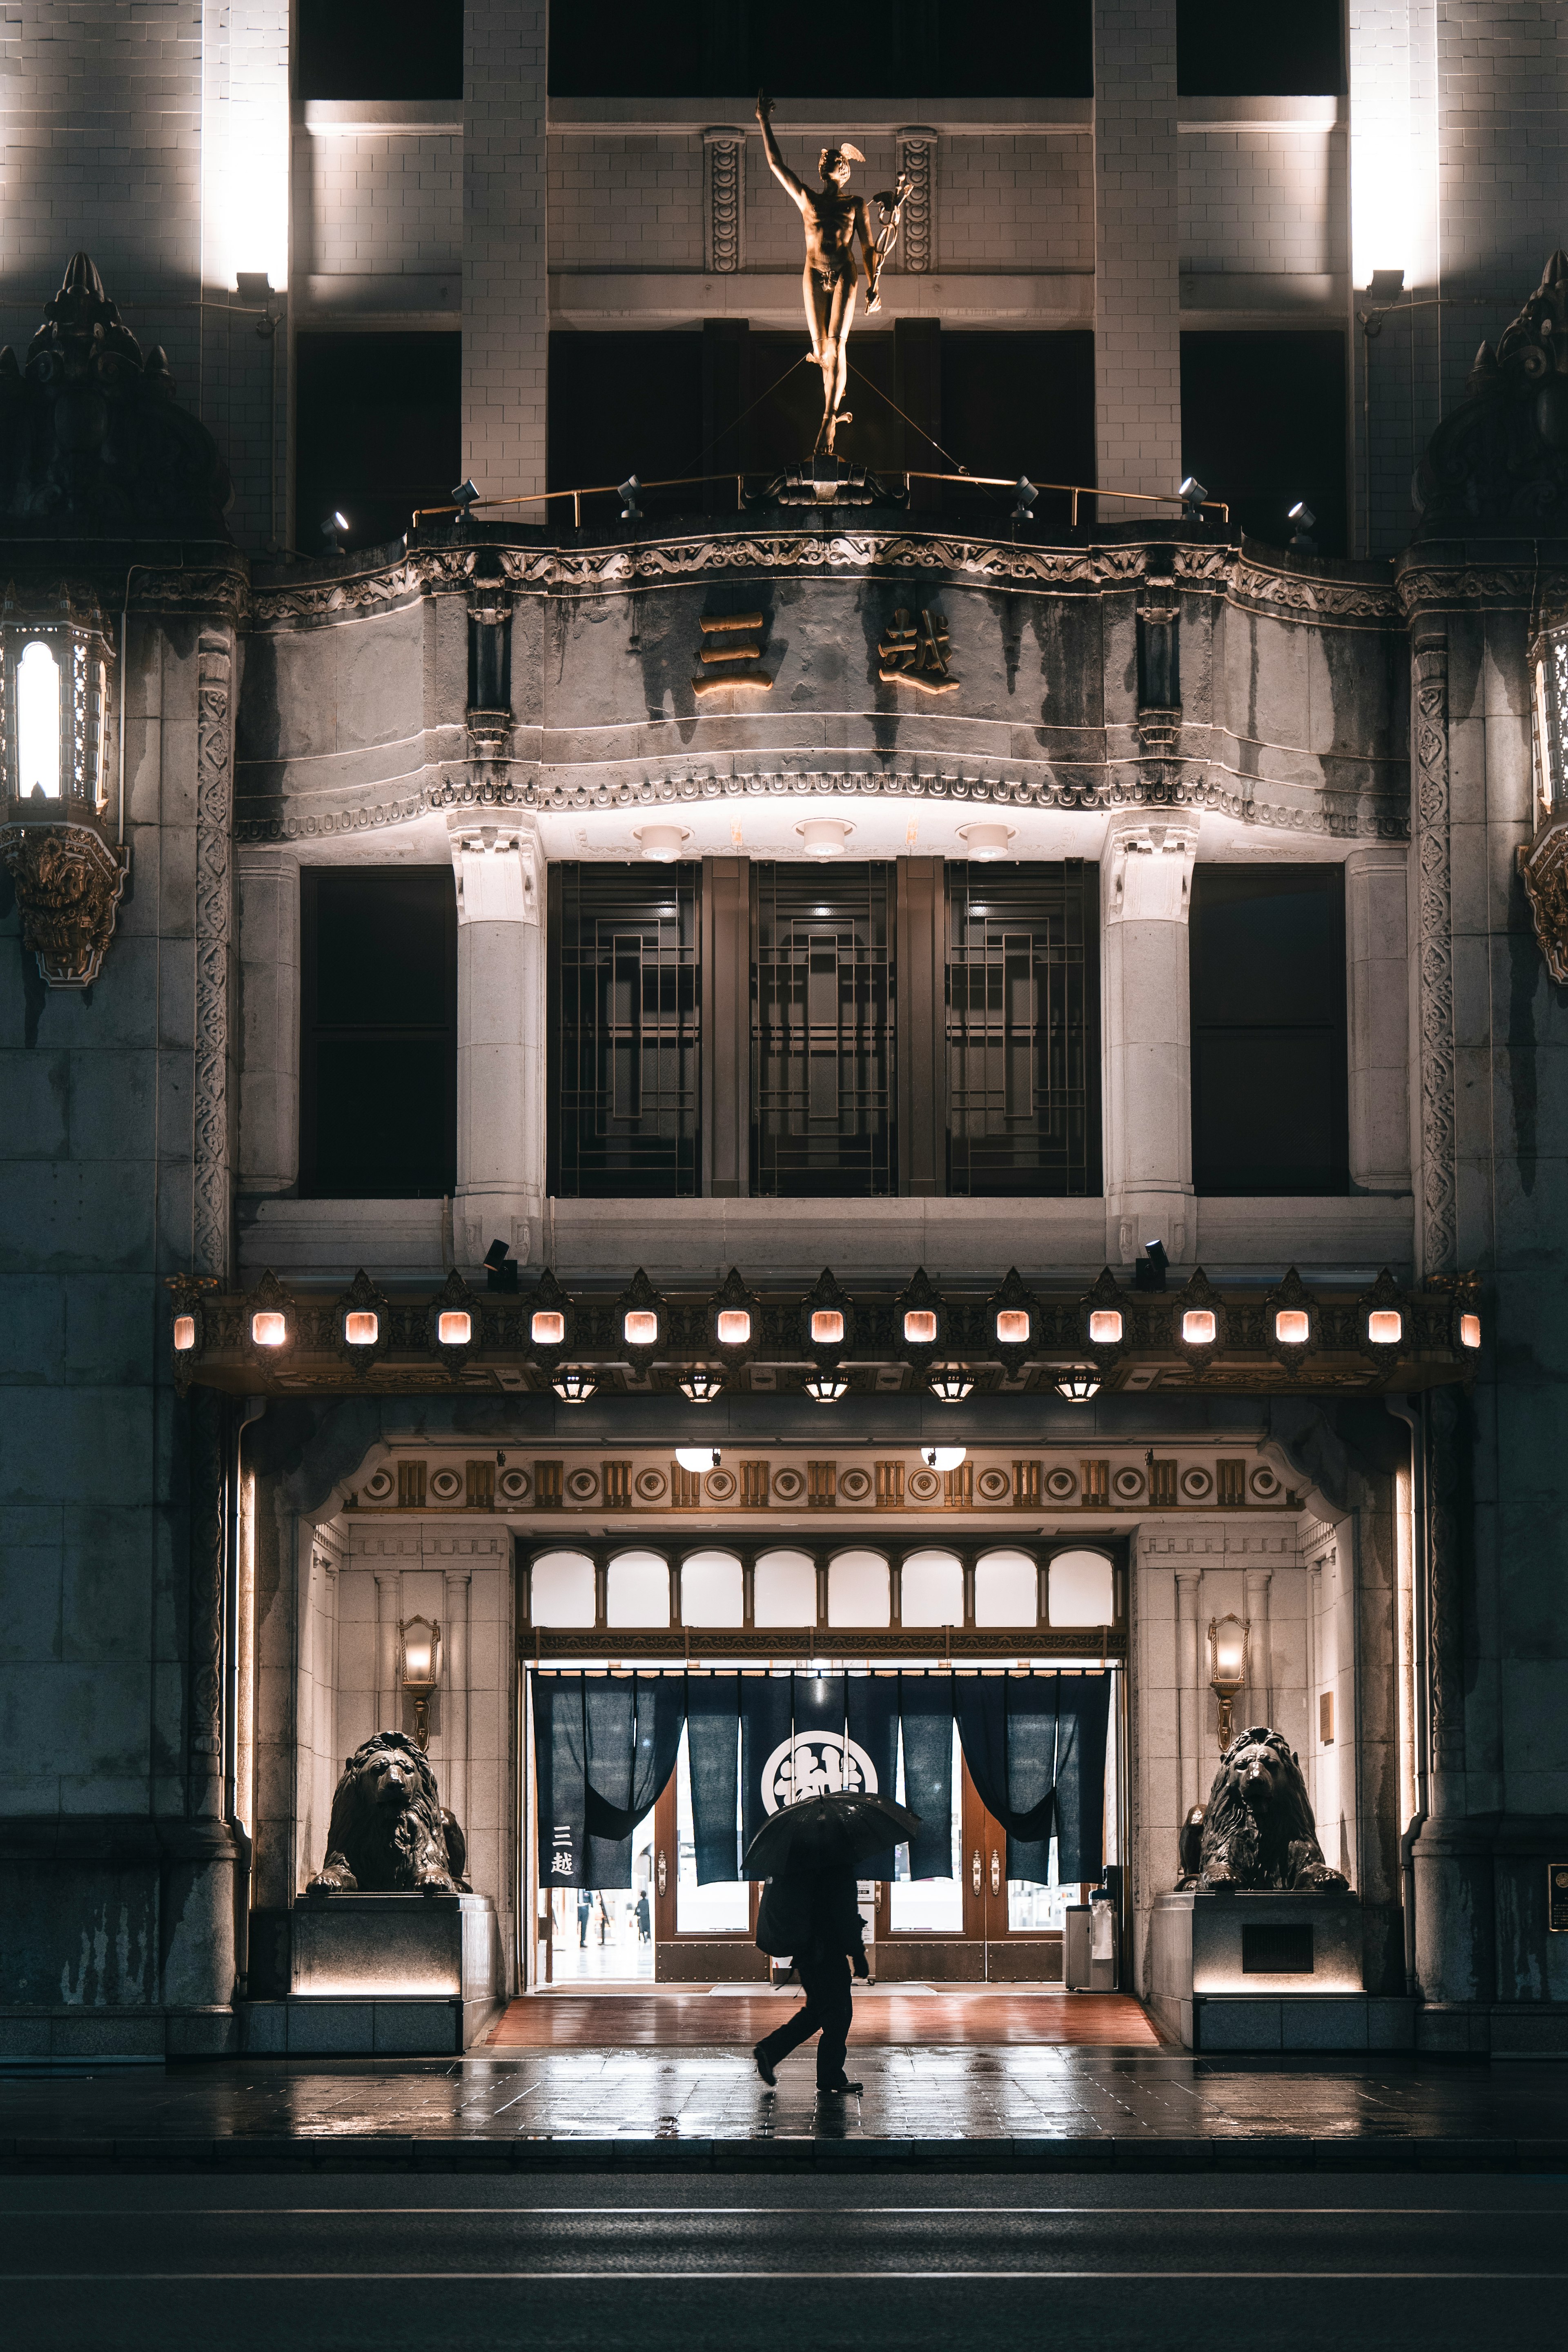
[[1227, 1670], [54, 753], [1543, 861], [421, 1669]]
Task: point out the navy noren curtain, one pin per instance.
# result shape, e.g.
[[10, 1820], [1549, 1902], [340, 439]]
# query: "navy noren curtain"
[[925, 1712], [605, 1746], [712, 1755], [1035, 1746]]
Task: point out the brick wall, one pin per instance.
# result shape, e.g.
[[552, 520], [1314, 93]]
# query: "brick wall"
[[1267, 201], [1137, 400], [505, 317], [379, 202]]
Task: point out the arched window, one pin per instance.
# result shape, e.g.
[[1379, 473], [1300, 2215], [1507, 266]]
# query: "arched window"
[[785, 1588], [932, 1588], [560, 1589], [1080, 1589], [858, 1589], [711, 1589], [38, 722], [1006, 1589], [638, 1590]]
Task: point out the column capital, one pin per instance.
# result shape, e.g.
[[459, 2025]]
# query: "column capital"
[[500, 865], [1146, 864]]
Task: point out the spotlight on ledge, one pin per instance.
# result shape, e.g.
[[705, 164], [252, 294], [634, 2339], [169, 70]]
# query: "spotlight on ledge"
[[823, 837], [572, 1385], [698, 1457], [630, 491], [1386, 285], [951, 1383], [944, 1457], [827, 1388], [465, 496], [1192, 493], [332, 530], [1148, 1274], [1078, 1383], [702, 1386], [1024, 496], [662, 842], [1301, 539]]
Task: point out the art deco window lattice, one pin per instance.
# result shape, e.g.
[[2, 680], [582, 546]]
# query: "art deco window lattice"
[[624, 1031], [1023, 1029], [822, 1030]]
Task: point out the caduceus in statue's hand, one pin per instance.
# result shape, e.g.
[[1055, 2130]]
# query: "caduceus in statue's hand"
[[831, 280]]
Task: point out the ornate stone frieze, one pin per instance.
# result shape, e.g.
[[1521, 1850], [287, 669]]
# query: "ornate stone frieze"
[[917, 160], [68, 883], [214, 913], [1300, 596], [1435, 977], [724, 200], [1336, 816]]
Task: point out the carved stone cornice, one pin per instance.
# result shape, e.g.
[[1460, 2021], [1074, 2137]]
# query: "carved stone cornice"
[[68, 883], [1306, 596], [1336, 816]]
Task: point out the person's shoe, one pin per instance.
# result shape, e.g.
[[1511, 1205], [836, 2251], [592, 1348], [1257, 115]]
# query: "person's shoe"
[[837, 2090], [763, 2067]]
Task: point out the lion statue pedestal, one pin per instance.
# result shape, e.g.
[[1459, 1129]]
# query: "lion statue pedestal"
[[391, 1951]]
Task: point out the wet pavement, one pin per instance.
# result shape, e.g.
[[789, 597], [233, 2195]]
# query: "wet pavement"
[[967, 2109]]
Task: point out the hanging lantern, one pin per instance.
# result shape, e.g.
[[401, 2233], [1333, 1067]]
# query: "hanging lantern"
[[572, 1385], [1080, 1383], [701, 1385]]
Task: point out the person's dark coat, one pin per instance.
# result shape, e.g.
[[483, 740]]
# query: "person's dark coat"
[[812, 1917]]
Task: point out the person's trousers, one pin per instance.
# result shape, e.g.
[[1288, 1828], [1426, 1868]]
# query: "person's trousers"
[[828, 2009]]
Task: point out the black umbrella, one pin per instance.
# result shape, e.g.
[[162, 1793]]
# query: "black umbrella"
[[829, 1833]]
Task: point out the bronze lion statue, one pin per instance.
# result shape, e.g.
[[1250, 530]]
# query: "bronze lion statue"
[[1258, 1828], [389, 1830]]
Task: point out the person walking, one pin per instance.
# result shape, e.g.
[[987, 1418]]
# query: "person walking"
[[584, 1913], [644, 1930], [812, 1920]]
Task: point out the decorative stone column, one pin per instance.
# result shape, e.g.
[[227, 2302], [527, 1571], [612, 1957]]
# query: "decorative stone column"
[[1194, 1772], [724, 200], [1378, 993], [500, 1036], [268, 890], [1147, 871], [916, 147], [1259, 1646]]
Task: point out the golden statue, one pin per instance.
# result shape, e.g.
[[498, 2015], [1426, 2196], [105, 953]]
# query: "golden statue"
[[831, 280]]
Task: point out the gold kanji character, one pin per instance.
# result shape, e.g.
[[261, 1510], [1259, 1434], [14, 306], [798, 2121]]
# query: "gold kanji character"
[[914, 653]]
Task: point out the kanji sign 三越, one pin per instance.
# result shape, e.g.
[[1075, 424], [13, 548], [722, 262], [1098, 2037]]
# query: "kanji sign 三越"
[[914, 653]]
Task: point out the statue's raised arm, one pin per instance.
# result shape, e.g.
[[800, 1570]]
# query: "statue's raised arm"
[[830, 280]]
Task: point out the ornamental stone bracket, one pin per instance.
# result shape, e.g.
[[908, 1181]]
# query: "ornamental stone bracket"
[[724, 200], [67, 882], [1543, 868], [916, 145]]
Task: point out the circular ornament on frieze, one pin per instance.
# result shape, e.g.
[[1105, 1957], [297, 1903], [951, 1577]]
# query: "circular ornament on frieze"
[[1061, 1484], [994, 1486]]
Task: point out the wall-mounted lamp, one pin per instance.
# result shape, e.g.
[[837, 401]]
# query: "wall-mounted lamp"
[[1080, 1383], [572, 1385], [421, 1642], [987, 840], [823, 837], [699, 1458], [1227, 1669]]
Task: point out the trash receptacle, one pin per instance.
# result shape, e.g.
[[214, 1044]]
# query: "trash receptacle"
[[1077, 1929]]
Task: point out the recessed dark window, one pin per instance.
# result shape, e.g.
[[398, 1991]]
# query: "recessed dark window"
[[597, 434], [624, 1031], [1269, 1051], [1015, 403], [1263, 425], [1232, 48], [380, 432], [379, 48], [725, 48], [822, 1030], [1023, 1028], [378, 1033]]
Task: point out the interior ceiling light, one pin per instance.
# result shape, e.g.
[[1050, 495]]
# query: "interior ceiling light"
[[1078, 1383], [823, 837], [951, 1383], [944, 1457], [572, 1385], [827, 1387], [662, 842], [698, 1457], [702, 1387]]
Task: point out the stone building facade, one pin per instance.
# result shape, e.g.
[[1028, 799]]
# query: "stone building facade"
[[210, 1549]]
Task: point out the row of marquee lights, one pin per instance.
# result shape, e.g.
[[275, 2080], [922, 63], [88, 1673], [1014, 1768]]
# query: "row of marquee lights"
[[826, 1329]]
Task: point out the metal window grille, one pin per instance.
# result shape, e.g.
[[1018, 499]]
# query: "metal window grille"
[[624, 1031], [822, 1030], [1023, 1028]]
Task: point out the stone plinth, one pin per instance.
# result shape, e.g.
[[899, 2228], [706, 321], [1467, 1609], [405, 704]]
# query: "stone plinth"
[[415, 1974], [1264, 1971]]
